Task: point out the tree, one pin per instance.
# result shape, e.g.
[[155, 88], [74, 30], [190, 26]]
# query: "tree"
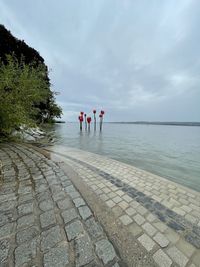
[[22, 88]]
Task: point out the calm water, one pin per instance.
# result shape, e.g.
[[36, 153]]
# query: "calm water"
[[170, 151]]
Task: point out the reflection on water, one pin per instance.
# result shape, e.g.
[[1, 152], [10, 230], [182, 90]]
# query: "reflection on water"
[[170, 151]]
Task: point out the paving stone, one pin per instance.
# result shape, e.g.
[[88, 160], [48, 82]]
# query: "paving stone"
[[151, 218], [151, 230], [78, 202], [27, 234], [25, 198], [117, 199], [25, 253], [46, 205], [94, 228], [69, 215], [185, 247], [130, 211], [84, 250], [162, 259], [177, 256], [123, 204], [105, 251], [85, 212], [125, 219], [193, 239], [4, 249], [146, 242], [141, 210], [135, 229], [57, 256], [64, 204], [161, 240], [139, 219], [25, 221], [74, 229], [47, 218], [6, 230], [110, 203], [25, 209], [7, 206], [50, 238], [6, 218]]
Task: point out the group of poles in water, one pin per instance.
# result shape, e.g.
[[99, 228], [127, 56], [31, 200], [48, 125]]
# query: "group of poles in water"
[[87, 120]]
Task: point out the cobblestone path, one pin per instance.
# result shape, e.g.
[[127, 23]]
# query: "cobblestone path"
[[44, 221], [163, 217]]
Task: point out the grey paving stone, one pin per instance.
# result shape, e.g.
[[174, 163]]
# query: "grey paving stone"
[[135, 229], [94, 228], [6, 218], [25, 209], [7, 206], [84, 250], [139, 219], [58, 256], [25, 198], [64, 204], [46, 205], [125, 219], [177, 256], [193, 239], [25, 253], [25, 221], [59, 196], [78, 202], [47, 218], [146, 242], [74, 229], [105, 251], [27, 234], [151, 230], [6, 230], [50, 238], [4, 248], [161, 240], [69, 215], [162, 259], [85, 212]]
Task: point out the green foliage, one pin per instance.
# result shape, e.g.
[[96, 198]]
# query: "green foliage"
[[23, 87]]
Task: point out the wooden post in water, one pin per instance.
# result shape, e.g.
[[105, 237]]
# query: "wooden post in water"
[[89, 119], [85, 122], [95, 122], [81, 121], [101, 119]]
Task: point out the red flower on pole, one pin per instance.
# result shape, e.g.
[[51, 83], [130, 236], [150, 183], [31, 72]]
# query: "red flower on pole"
[[80, 118], [94, 111], [89, 120], [102, 112]]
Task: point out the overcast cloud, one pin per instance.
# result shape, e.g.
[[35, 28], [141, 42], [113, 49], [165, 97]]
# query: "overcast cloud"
[[137, 59]]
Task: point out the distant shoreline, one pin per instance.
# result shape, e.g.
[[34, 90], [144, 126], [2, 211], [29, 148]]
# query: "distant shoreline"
[[160, 123]]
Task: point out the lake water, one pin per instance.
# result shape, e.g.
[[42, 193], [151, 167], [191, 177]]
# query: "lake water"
[[170, 151]]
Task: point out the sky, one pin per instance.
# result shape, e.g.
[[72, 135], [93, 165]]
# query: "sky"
[[135, 59]]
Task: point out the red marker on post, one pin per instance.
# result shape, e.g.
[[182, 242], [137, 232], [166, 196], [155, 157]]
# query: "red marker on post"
[[81, 121], [89, 119]]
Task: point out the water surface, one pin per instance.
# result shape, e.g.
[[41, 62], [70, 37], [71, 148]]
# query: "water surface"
[[170, 151]]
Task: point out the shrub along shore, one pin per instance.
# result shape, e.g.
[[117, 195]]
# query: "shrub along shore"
[[26, 98]]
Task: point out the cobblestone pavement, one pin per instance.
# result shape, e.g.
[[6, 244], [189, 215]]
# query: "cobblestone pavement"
[[44, 221], [164, 217]]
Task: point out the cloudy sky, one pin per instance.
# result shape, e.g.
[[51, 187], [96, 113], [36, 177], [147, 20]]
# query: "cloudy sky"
[[136, 59]]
